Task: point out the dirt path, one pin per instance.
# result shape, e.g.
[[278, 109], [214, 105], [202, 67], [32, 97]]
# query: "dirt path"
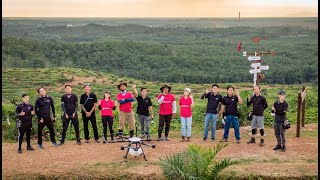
[[95, 160]]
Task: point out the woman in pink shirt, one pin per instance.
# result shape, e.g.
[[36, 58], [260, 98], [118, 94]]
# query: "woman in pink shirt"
[[106, 105], [186, 102]]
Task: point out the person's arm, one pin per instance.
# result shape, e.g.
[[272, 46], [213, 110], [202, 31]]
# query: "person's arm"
[[160, 100], [95, 103], [222, 110], [249, 101], [76, 105], [192, 102], [174, 107], [240, 101], [205, 95], [120, 100], [62, 106], [265, 104], [52, 107], [17, 112], [129, 99], [151, 110], [135, 91], [36, 109]]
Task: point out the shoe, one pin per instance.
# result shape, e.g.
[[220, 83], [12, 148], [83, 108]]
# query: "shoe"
[[261, 142], [87, 140], [224, 140], [40, 146], [238, 141], [252, 141], [166, 139], [104, 141], [204, 140], [188, 139], [19, 151], [160, 139], [142, 136], [55, 144], [29, 148], [97, 141], [182, 139], [61, 143], [283, 149], [277, 147], [79, 142]]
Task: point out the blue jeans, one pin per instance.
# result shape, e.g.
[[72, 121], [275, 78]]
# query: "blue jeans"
[[206, 125], [186, 123], [231, 119]]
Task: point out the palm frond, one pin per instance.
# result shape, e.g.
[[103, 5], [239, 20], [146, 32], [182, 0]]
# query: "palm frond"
[[219, 166]]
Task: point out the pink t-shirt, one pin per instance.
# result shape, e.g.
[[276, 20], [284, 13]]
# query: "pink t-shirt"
[[126, 107], [185, 107], [166, 105], [106, 107]]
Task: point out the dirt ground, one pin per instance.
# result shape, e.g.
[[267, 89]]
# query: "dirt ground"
[[105, 161]]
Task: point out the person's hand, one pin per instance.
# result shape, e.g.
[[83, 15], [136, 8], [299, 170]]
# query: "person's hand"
[[207, 91], [134, 86], [249, 97], [22, 113], [237, 93], [67, 117], [152, 117], [99, 102], [174, 115], [273, 108], [41, 120], [33, 113], [73, 115], [88, 114]]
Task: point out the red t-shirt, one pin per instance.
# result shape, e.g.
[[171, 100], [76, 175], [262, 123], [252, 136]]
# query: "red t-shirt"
[[106, 107], [166, 105], [185, 107], [126, 107]]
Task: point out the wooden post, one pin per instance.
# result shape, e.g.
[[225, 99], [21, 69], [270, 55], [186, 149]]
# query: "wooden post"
[[298, 115], [303, 107]]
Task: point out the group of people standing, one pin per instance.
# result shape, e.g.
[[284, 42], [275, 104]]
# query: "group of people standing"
[[225, 107]]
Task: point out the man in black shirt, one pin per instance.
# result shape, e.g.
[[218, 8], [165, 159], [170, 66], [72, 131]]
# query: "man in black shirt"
[[259, 105], [229, 113], [88, 102], [69, 105], [144, 106], [24, 112], [279, 110], [42, 110], [213, 105]]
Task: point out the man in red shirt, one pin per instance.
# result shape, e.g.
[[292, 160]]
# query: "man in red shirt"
[[168, 109], [126, 114]]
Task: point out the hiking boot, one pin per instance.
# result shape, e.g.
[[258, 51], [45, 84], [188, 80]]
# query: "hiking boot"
[[29, 148], [160, 139], [40, 146], [55, 144], [79, 142], [261, 142], [277, 147], [182, 139], [87, 140], [238, 141], [19, 151], [188, 139], [166, 139], [204, 140], [224, 140], [252, 141], [283, 149], [97, 141], [104, 141]]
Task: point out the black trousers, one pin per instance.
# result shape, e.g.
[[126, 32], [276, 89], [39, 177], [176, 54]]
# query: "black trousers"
[[107, 120], [93, 121], [164, 119], [47, 122], [25, 128], [66, 122]]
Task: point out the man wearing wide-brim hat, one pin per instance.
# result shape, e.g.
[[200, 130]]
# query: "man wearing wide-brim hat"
[[126, 114], [167, 110]]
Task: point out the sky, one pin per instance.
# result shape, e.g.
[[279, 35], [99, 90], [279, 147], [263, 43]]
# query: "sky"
[[159, 8]]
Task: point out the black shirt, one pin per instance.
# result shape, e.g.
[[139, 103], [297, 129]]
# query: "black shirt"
[[42, 107], [259, 105], [70, 103], [27, 108], [213, 102], [231, 104], [281, 109], [90, 102], [143, 105]]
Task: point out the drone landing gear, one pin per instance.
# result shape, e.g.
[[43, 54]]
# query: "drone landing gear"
[[137, 151]]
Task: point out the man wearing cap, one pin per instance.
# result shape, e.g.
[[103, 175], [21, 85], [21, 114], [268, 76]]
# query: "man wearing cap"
[[69, 105], [213, 106], [88, 103], [167, 111], [42, 110], [259, 105], [143, 110], [229, 113], [126, 114], [279, 110], [24, 112]]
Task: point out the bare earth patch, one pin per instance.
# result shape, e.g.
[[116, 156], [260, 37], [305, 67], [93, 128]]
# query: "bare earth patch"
[[97, 160]]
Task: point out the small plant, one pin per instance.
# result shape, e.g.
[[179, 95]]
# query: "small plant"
[[195, 163]]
